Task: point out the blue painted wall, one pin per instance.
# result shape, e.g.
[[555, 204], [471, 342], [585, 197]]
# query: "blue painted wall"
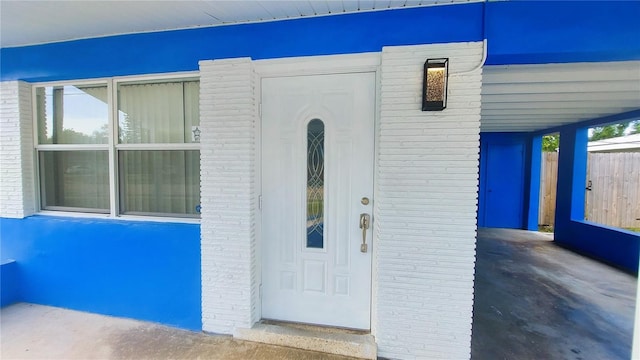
[[513, 170], [151, 271], [141, 270], [533, 167], [518, 32], [537, 32], [616, 246], [502, 199], [9, 283], [180, 50]]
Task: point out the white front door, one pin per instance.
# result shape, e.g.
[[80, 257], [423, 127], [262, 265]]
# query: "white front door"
[[317, 166]]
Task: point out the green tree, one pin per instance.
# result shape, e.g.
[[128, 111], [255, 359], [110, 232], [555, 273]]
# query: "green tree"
[[551, 143], [608, 131], [70, 136], [635, 127], [101, 136]]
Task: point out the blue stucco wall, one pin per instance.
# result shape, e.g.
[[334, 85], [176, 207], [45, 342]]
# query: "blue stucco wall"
[[616, 246], [180, 50], [141, 270], [151, 271], [532, 32], [9, 283], [533, 168], [538, 32]]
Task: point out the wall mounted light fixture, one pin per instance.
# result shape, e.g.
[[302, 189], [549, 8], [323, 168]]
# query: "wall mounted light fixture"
[[434, 89]]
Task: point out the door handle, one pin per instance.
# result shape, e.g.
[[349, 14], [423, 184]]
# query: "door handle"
[[365, 220]]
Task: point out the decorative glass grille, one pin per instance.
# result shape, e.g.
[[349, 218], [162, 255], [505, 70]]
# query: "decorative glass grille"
[[315, 184]]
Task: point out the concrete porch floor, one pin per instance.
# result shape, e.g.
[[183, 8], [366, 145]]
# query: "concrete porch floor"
[[29, 331], [533, 300]]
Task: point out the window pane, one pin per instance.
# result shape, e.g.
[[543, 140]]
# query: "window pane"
[[315, 184], [78, 180], [72, 114], [165, 112], [160, 182]]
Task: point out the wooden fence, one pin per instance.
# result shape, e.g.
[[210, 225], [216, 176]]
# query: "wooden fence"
[[548, 181], [613, 180]]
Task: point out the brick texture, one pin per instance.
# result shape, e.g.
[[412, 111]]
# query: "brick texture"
[[230, 296], [426, 205], [16, 150]]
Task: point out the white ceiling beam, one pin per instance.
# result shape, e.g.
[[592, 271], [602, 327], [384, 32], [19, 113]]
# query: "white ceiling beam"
[[534, 118], [551, 97], [555, 111], [556, 105], [557, 76], [559, 88], [596, 86]]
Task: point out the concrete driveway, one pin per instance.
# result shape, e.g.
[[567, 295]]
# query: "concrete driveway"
[[536, 300]]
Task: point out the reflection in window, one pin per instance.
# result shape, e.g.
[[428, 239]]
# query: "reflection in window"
[[72, 114], [154, 179], [315, 184], [75, 180]]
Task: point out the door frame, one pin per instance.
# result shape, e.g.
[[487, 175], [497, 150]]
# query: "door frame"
[[317, 65]]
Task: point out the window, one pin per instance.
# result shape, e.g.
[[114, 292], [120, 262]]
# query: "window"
[[73, 149], [315, 184], [141, 158]]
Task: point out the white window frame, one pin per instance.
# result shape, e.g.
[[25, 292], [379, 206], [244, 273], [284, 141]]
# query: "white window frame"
[[112, 146]]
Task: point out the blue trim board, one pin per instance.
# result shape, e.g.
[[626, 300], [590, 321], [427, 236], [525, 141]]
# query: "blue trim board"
[[518, 32], [539, 32], [180, 50], [142, 270]]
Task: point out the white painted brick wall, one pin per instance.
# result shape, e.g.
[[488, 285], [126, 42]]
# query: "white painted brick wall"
[[230, 296], [426, 206], [16, 150]]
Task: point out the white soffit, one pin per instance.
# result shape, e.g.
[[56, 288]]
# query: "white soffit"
[[35, 22], [537, 97]]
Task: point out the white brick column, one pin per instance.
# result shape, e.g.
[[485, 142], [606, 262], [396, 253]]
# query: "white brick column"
[[17, 198], [426, 206], [230, 296]]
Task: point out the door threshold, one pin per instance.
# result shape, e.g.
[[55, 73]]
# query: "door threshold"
[[316, 327], [337, 341]]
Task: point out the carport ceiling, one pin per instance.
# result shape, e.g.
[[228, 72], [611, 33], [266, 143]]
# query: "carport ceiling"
[[538, 97], [514, 98]]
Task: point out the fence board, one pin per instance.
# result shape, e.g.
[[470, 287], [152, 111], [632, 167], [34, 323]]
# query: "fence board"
[[549, 178], [614, 198]]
